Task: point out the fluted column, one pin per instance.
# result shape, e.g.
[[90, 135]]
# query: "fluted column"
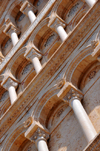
[[12, 31], [72, 96], [32, 54], [90, 2], [28, 9], [38, 135], [57, 25]]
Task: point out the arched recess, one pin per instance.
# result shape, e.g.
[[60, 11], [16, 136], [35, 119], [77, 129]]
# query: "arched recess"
[[71, 12], [45, 39], [46, 106], [17, 141], [13, 11], [22, 69], [79, 65], [17, 17]]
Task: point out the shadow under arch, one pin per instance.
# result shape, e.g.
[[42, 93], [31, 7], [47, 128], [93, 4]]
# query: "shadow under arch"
[[39, 32], [11, 15], [79, 66], [16, 60], [46, 106]]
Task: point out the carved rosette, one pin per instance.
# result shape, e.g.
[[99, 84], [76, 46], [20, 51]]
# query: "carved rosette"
[[26, 6], [37, 132], [32, 52], [10, 28], [69, 92], [28, 122], [55, 21]]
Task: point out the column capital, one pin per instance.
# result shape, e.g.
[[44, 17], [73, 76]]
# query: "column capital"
[[9, 80], [96, 52], [37, 132], [10, 28], [70, 92], [31, 52], [26, 6], [55, 21]]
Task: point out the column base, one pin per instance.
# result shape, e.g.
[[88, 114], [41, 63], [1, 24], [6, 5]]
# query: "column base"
[[94, 145]]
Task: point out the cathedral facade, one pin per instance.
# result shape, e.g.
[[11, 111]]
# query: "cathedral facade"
[[50, 75]]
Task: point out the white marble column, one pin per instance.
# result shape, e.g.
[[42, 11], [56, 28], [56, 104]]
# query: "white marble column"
[[28, 9], [38, 135], [11, 31], [41, 144], [57, 25], [90, 2], [10, 85], [83, 119], [32, 54], [73, 97]]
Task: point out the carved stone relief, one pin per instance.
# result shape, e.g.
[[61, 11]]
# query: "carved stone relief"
[[91, 73]]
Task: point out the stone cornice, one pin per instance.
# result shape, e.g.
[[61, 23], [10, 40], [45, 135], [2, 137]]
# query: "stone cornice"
[[27, 34], [50, 68]]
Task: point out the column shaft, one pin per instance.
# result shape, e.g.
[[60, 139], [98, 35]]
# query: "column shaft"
[[36, 64], [42, 145], [31, 16], [62, 33], [12, 94], [14, 38], [90, 2], [83, 120]]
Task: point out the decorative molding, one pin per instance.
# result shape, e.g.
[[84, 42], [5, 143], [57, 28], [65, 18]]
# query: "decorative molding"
[[8, 80], [10, 28], [36, 131], [26, 6], [55, 21], [28, 122], [69, 92], [32, 52]]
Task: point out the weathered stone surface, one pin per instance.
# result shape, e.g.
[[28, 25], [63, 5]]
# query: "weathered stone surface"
[[70, 69], [94, 145]]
